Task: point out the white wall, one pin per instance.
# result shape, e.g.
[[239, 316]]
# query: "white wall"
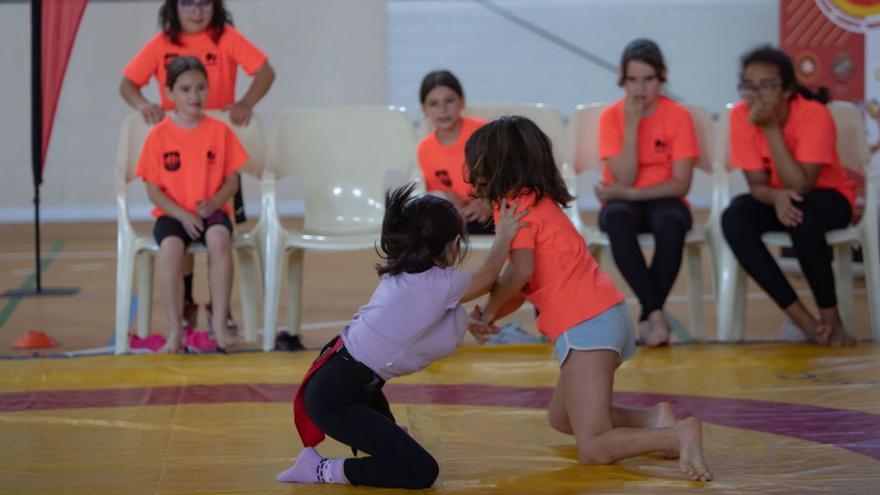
[[499, 61], [324, 52]]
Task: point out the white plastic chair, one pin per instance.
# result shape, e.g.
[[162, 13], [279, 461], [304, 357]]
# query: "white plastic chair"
[[852, 147], [136, 252], [585, 125], [550, 121], [340, 155]]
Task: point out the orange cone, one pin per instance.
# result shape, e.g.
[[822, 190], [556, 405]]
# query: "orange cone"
[[33, 340]]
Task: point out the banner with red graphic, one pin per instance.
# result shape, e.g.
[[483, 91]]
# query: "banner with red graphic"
[[60, 21]]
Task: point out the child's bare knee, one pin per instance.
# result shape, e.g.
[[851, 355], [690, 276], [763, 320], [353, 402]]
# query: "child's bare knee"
[[592, 454], [559, 422]]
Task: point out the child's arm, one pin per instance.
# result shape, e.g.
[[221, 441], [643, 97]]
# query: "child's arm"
[[506, 228], [240, 112], [191, 223], [224, 194], [132, 95], [506, 295]]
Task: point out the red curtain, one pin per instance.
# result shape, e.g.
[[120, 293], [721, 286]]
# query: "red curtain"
[[60, 20]]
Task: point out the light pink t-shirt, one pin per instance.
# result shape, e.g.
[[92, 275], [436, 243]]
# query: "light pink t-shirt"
[[412, 320]]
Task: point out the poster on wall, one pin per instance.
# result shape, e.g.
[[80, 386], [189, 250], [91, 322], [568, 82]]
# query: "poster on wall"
[[836, 44]]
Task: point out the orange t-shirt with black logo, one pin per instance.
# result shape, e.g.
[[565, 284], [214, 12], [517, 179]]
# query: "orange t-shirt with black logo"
[[221, 60], [567, 286], [665, 136], [810, 136], [190, 165], [443, 167]]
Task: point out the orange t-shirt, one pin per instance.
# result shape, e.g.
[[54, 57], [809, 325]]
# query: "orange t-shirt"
[[665, 136], [810, 136], [221, 60], [443, 167], [190, 165], [566, 286]]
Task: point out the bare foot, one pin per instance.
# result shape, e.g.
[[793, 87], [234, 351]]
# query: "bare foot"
[[659, 333], [690, 447], [664, 417], [841, 338], [644, 329], [823, 333], [172, 345]]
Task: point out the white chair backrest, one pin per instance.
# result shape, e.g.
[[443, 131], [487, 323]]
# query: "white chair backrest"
[[584, 125], [341, 155], [852, 142], [134, 131], [704, 128], [722, 164]]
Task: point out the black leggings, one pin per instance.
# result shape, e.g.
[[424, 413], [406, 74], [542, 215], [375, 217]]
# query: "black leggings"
[[669, 220], [344, 399], [746, 219]]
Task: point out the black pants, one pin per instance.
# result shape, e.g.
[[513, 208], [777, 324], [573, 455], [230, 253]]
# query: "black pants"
[[746, 219], [669, 220], [344, 398]]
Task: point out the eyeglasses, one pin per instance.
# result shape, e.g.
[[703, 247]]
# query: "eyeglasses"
[[192, 5], [763, 88]]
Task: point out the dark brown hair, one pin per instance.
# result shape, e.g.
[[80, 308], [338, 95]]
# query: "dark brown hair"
[[511, 156], [416, 232], [180, 65], [439, 78], [169, 23], [768, 55], [645, 51]]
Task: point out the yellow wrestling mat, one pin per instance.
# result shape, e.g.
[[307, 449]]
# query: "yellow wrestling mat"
[[778, 419]]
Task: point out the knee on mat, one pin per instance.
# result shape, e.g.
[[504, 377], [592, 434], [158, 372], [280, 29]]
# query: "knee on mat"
[[594, 454], [558, 423], [423, 472]]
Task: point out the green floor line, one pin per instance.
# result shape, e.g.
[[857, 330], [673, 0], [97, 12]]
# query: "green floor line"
[[30, 281]]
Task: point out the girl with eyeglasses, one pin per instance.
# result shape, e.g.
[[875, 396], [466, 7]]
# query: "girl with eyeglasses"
[[649, 147], [784, 139], [202, 29]]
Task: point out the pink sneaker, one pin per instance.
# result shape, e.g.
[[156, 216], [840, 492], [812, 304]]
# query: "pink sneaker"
[[199, 342], [152, 342]]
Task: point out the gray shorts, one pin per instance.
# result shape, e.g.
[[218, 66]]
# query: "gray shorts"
[[612, 329]]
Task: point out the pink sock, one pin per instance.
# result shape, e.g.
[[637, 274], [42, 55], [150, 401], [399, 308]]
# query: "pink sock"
[[310, 467]]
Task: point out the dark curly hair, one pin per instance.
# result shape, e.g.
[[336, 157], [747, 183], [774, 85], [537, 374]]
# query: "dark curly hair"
[[169, 23], [766, 54], [416, 231], [511, 156]]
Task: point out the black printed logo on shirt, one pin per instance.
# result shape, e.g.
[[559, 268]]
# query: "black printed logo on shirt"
[[211, 157], [765, 162], [661, 146], [211, 58], [169, 57], [172, 160], [444, 177]]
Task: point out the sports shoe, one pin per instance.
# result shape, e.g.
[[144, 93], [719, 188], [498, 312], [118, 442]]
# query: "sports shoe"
[[199, 342], [152, 342]]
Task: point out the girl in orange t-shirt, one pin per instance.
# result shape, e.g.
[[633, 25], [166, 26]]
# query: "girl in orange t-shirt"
[[786, 143], [579, 307], [203, 29], [190, 165], [441, 153], [649, 147]]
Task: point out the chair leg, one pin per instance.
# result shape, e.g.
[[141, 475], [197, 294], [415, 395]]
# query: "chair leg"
[[871, 257], [248, 290], [145, 264], [124, 272], [726, 298], [695, 291], [274, 262], [294, 289], [843, 282], [740, 303]]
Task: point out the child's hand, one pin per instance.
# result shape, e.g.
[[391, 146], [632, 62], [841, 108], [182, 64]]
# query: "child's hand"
[[508, 221], [192, 224], [762, 115], [205, 208], [240, 113], [607, 191], [479, 328], [632, 108], [152, 113]]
